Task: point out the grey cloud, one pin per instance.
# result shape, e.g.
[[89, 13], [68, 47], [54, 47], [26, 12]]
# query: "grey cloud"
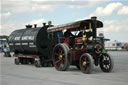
[[27, 5]]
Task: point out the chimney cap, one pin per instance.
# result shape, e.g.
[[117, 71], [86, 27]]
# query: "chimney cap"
[[94, 18], [44, 24], [28, 26]]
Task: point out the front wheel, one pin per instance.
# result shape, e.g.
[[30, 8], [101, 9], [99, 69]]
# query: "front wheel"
[[86, 63], [106, 63]]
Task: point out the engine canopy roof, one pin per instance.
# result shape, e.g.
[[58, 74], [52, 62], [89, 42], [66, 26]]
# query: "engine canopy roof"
[[74, 26]]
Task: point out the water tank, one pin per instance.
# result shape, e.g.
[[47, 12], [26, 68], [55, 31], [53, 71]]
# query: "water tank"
[[32, 40]]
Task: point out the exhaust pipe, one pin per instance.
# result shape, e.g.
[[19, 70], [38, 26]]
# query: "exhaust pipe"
[[94, 26]]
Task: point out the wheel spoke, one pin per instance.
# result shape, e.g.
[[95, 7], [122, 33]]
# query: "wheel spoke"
[[104, 58], [87, 62], [84, 59], [56, 54], [62, 52], [57, 61], [61, 65], [108, 58], [58, 47], [108, 66], [104, 66]]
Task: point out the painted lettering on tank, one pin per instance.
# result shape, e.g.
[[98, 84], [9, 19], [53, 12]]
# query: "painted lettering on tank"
[[24, 43], [9, 38], [17, 38], [27, 37], [31, 44], [17, 43], [10, 43]]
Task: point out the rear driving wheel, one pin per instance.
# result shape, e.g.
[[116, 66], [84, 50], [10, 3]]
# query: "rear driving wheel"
[[86, 63], [60, 57], [106, 63]]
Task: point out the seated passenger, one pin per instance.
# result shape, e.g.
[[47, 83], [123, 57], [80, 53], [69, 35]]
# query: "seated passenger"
[[81, 33], [68, 34]]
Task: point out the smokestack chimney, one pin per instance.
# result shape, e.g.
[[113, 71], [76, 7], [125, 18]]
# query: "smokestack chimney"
[[44, 24], [35, 25], [94, 26]]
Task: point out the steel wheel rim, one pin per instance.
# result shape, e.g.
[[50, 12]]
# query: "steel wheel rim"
[[58, 57], [85, 63], [106, 62]]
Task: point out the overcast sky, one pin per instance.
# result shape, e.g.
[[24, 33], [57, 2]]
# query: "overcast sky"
[[15, 14]]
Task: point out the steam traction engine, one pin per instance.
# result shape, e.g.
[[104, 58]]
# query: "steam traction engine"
[[84, 49]]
